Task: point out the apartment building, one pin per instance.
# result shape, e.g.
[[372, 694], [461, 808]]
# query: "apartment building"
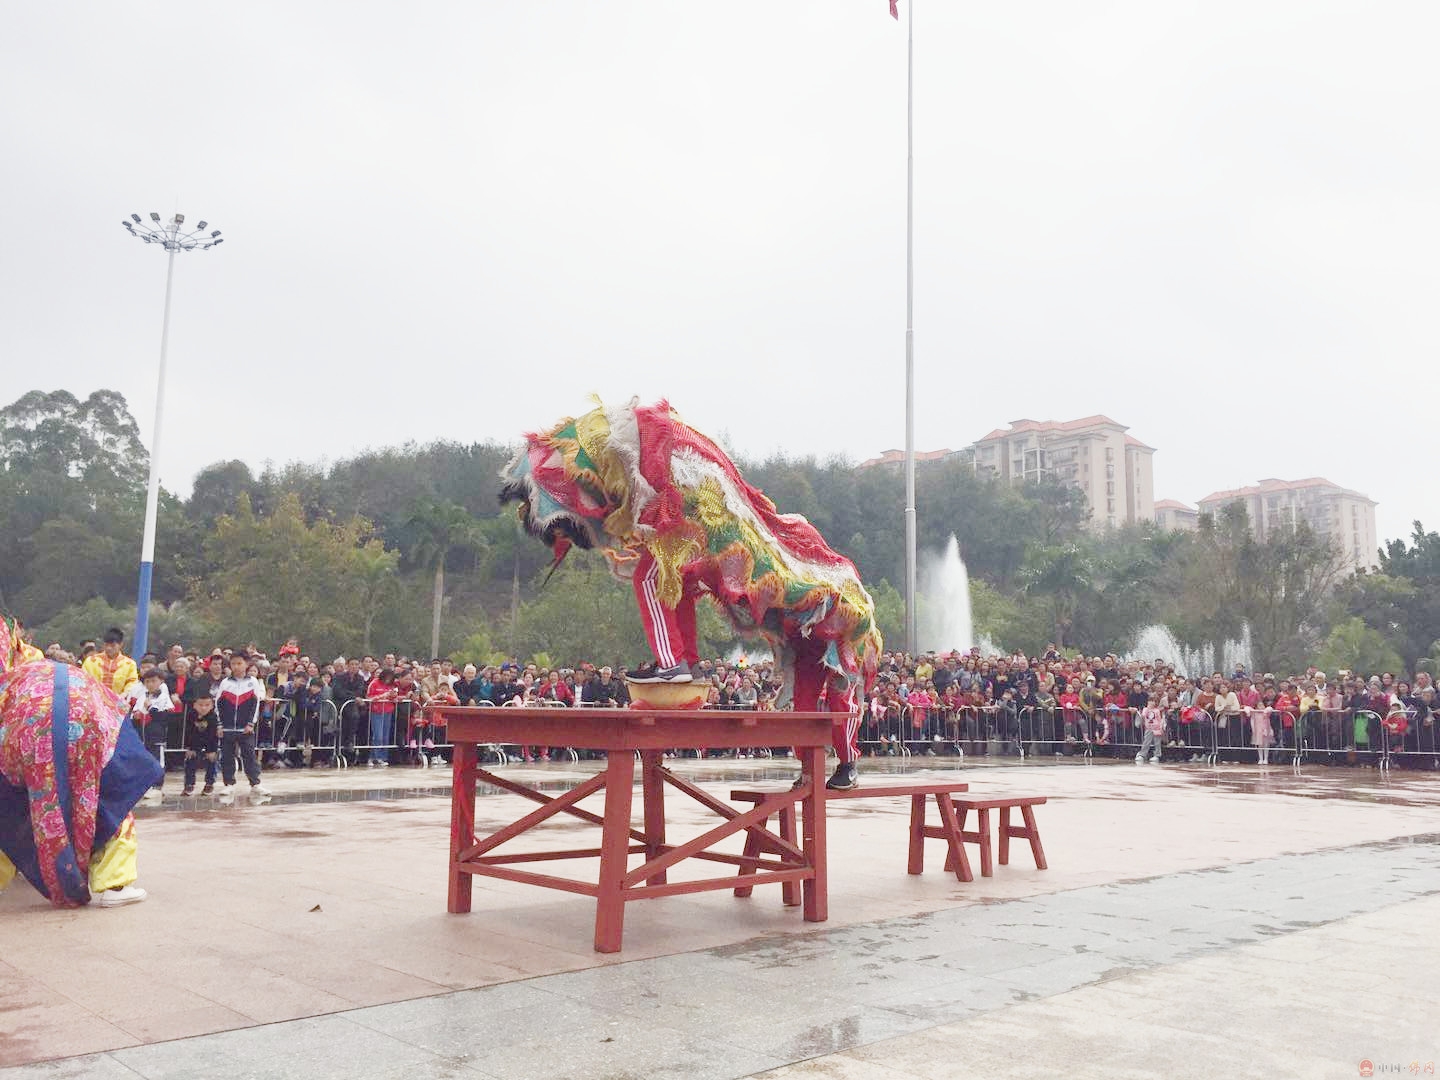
[[1172, 514], [1114, 470], [1346, 516]]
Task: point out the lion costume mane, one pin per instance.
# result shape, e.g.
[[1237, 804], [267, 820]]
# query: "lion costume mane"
[[668, 506]]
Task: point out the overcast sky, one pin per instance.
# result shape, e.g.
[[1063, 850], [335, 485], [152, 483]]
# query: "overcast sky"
[[1216, 223]]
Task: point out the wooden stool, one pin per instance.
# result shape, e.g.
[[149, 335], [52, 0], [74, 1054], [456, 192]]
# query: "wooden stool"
[[948, 830], [981, 835]]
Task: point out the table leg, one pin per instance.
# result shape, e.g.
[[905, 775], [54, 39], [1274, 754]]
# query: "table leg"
[[815, 891], [652, 786], [1004, 852], [462, 822], [917, 834], [987, 867], [789, 890], [614, 851]]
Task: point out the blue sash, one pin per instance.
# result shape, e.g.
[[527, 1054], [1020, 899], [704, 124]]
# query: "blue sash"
[[74, 882]]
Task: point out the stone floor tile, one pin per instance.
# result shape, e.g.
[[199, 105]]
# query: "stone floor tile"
[[319, 1048]]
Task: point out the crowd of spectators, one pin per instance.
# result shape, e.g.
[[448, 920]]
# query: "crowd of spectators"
[[371, 708], [1052, 703]]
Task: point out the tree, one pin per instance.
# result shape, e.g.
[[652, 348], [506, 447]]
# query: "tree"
[[375, 569], [437, 529], [1278, 585], [279, 575], [1353, 646], [889, 613], [176, 623], [95, 441], [218, 487], [1402, 600], [1063, 575]]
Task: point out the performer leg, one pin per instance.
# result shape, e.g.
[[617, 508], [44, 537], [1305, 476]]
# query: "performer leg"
[[685, 622], [845, 727], [114, 865], [662, 626]]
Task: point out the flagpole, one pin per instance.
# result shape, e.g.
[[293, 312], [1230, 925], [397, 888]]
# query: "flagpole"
[[911, 636]]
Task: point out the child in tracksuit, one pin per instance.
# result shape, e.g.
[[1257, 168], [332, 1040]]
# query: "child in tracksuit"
[[202, 742], [1153, 719], [238, 703]]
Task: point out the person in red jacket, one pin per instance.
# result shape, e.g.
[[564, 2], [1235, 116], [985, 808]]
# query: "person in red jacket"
[[382, 694], [556, 689]]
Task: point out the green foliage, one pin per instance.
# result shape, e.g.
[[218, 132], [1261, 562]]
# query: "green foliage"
[[477, 649], [1064, 576], [1279, 585], [1012, 621], [170, 624], [1402, 600], [584, 613], [279, 576], [436, 529], [889, 611], [1353, 646], [405, 549]]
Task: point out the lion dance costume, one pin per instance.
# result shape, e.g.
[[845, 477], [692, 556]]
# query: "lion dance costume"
[[71, 769], [673, 514]]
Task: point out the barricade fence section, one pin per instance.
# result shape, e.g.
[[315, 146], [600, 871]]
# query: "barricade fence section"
[[378, 733]]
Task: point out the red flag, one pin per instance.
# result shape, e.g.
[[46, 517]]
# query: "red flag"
[[895, 9]]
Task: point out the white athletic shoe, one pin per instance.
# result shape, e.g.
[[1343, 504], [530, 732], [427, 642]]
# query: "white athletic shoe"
[[260, 789], [130, 894], [227, 793]]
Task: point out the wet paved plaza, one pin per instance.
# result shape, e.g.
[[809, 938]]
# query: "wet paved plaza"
[[1194, 922]]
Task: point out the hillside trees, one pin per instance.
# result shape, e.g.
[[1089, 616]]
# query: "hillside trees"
[[344, 553]]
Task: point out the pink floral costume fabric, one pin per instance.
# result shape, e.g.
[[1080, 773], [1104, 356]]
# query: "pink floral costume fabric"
[[51, 820]]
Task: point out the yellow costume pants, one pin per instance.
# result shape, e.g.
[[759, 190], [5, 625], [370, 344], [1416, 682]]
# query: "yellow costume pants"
[[112, 867]]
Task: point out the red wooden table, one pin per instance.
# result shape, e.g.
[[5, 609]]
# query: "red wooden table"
[[624, 734]]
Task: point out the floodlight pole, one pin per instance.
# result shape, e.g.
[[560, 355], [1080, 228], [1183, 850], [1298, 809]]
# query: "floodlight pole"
[[912, 643], [152, 490], [173, 237]]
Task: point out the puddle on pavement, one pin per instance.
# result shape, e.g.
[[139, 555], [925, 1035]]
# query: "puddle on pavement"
[[1401, 788]]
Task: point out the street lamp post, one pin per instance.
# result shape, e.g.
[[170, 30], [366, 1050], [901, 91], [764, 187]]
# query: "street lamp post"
[[173, 236], [912, 637]]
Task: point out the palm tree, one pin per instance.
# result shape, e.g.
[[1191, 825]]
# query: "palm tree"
[[378, 582], [1060, 574], [440, 528]]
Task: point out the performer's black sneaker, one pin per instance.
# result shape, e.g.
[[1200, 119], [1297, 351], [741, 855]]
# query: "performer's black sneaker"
[[846, 777], [653, 673]]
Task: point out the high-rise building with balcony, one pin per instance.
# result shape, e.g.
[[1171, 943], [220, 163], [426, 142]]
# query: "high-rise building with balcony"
[[1094, 454], [1346, 516]]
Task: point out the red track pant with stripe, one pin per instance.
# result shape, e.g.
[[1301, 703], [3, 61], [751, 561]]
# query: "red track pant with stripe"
[[671, 634], [811, 678], [670, 631]]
